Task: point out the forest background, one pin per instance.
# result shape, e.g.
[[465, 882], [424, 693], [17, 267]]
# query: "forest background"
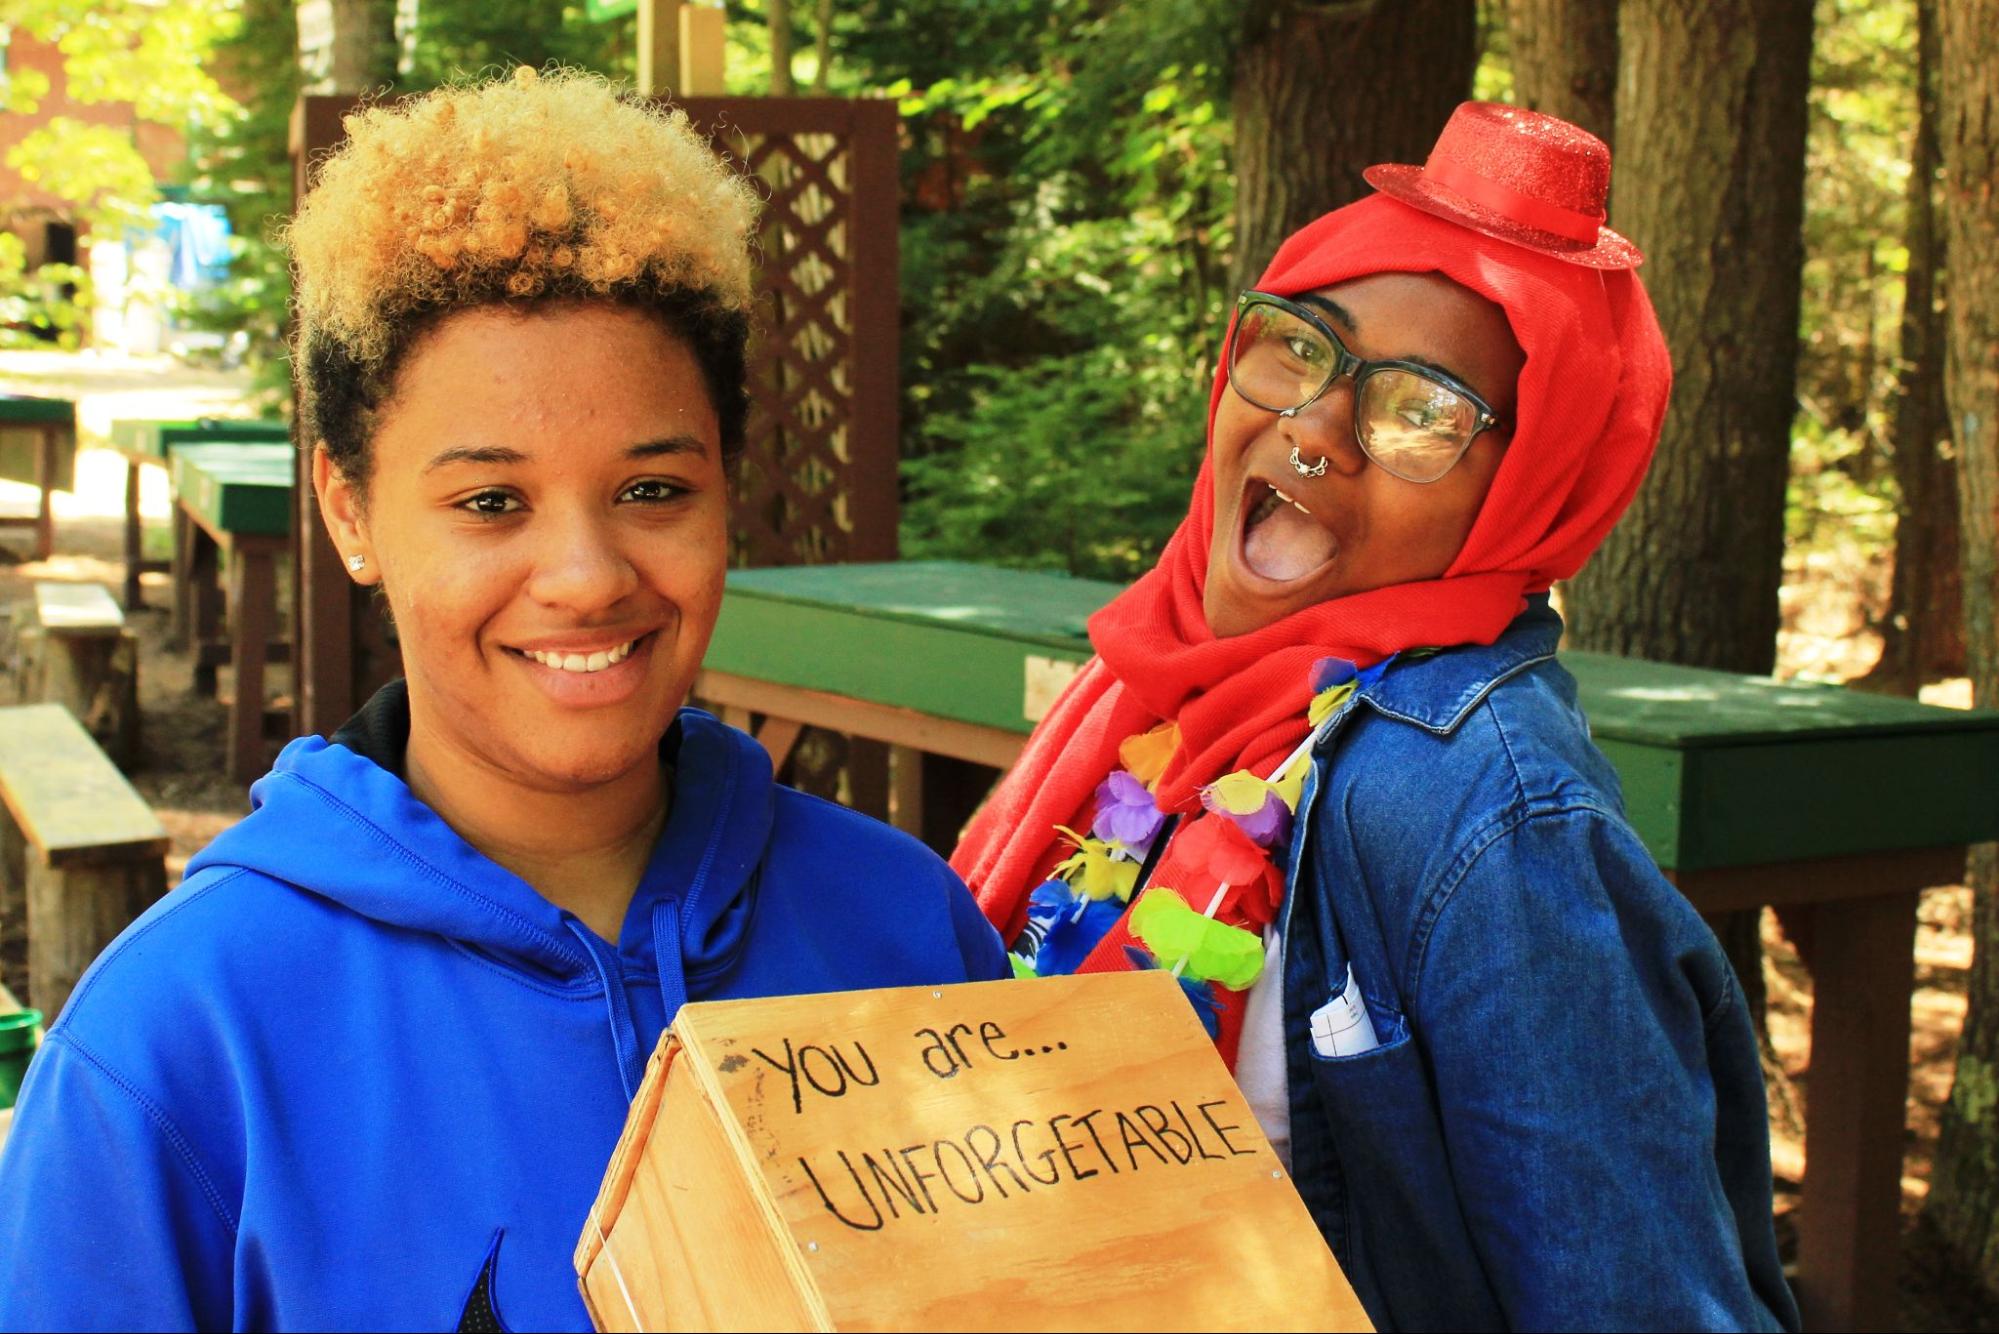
[[1086, 183]]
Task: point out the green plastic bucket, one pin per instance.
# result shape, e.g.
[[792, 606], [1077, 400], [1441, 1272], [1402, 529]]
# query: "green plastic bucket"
[[20, 1034]]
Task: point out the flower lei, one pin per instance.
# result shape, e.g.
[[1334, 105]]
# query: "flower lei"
[[1213, 935]]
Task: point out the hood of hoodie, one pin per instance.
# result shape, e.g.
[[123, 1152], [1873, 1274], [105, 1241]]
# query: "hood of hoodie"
[[378, 850]]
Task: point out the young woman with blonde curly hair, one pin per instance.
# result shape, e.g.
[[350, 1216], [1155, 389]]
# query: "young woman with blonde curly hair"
[[365, 1067]]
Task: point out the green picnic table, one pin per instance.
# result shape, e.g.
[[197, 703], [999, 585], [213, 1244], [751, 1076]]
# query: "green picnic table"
[[38, 447], [144, 441], [233, 501], [1833, 806]]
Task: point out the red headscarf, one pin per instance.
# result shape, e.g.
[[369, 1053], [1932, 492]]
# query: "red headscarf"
[[1591, 397]]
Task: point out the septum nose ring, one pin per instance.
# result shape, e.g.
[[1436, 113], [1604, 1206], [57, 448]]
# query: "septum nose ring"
[[1298, 465]]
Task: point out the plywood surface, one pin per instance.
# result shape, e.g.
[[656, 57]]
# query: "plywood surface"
[[77, 608], [1062, 1153], [69, 800]]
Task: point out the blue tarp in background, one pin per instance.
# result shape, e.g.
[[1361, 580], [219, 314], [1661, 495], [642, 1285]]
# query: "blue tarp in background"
[[197, 236]]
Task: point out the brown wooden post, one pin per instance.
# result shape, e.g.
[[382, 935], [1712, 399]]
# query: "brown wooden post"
[[45, 478], [180, 615], [95, 677], [75, 909], [1863, 965], [205, 594], [253, 596], [323, 614], [659, 44], [703, 65], [134, 543]]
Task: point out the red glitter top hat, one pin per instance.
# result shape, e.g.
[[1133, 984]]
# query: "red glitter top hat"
[[1522, 176]]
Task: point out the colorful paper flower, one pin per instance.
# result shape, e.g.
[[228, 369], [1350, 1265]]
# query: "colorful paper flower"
[[1126, 814], [1072, 926], [1258, 808], [1333, 681], [1096, 869], [1212, 951], [1227, 856], [1147, 754]]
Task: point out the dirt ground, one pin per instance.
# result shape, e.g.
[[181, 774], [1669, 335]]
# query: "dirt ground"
[[1826, 600]]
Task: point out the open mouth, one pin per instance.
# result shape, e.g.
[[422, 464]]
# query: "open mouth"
[[1281, 541], [583, 664]]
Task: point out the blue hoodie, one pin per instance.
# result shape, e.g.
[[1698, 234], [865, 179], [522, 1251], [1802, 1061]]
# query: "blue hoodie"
[[352, 1074]]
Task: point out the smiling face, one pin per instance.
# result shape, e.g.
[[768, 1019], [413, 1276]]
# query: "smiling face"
[[546, 511], [1283, 542]]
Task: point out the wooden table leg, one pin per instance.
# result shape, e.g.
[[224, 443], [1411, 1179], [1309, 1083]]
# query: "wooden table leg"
[[180, 580], [253, 615], [45, 478], [905, 789], [1863, 967], [204, 594], [134, 555]]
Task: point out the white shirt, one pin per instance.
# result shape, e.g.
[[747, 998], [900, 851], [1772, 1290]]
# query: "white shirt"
[[1259, 1063]]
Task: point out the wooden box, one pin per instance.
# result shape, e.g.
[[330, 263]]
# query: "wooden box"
[[1066, 1153]]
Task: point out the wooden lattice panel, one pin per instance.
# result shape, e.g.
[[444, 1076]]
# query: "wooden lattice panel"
[[818, 479]]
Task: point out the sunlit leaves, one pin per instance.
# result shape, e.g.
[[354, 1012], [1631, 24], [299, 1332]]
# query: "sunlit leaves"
[[149, 53], [94, 166]]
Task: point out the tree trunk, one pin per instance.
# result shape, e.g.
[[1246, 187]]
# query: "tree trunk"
[[1322, 90], [364, 45], [1712, 189], [780, 47], [1922, 636], [822, 75], [1565, 60], [1963, 1210]]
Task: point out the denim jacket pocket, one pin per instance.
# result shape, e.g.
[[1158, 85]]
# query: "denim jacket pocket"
[[1404, 1232]]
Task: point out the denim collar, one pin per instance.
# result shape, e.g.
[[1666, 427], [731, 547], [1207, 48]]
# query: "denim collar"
[[1438, 691]]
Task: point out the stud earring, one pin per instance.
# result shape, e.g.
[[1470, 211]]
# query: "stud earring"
[[355, 563]]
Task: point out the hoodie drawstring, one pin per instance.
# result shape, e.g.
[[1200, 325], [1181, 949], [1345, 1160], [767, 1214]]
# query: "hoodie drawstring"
[[666, 951], [624, 1039]]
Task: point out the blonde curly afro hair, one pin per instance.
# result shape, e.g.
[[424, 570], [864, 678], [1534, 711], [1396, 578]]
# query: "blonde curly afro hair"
[[517, 190]]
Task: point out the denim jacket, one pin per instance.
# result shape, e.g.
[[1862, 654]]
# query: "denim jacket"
[[1563, 1126]]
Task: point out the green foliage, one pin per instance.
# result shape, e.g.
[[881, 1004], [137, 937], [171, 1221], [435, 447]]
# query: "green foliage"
[[1079, 463], [44, 301], [244, 164], [93, 166], [150, 53], [1066, 234], [1067, 201], [455, 38], [1862, 124]]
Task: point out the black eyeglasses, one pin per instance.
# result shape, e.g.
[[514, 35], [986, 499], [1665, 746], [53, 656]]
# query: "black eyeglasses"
[[1413, 420]]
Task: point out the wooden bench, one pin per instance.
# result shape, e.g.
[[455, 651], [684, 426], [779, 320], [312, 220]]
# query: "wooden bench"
[[78, 847], [1835, 807], [75, 651], [147, 442], [233, 504], [47, 463]]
